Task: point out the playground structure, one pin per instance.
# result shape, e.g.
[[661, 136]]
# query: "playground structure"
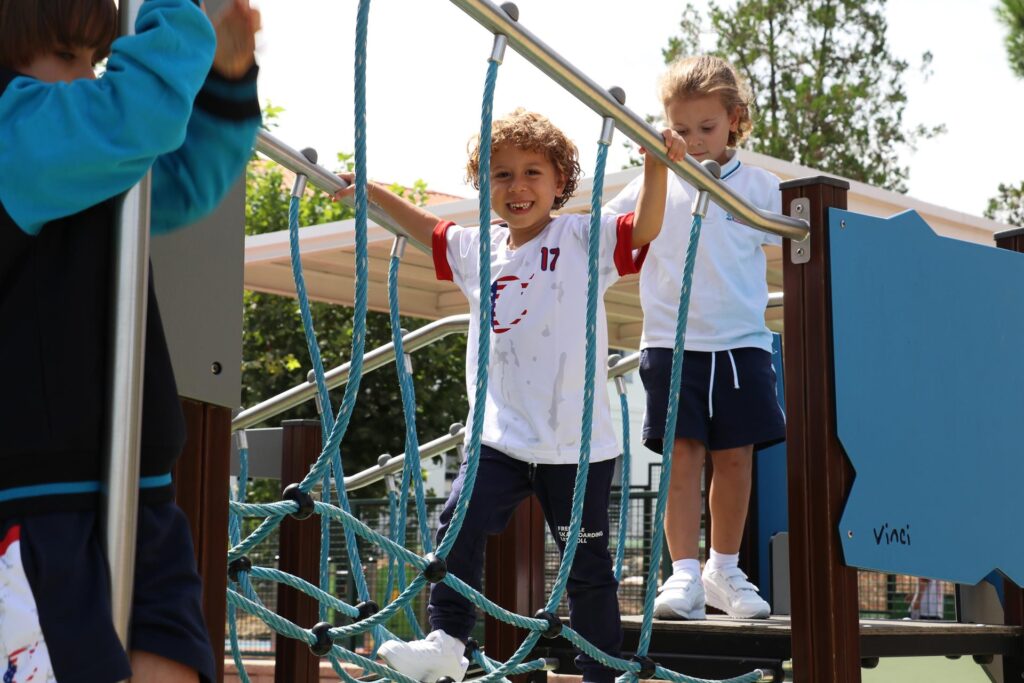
[[826, 640]]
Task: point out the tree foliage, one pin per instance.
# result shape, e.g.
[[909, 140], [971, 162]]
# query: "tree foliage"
[[1011, 15], [828, 93], [1008, 206], [274, 348]]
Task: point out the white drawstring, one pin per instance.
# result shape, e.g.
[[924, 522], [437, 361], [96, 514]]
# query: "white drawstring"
[[711, 384], [735, 375], [711, 388]]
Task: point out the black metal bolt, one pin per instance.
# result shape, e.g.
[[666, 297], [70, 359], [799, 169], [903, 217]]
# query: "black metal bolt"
[[554, 623], [367, 609], [240, 564], [323, 643], [436, 569], [647, 666], [301, 498]]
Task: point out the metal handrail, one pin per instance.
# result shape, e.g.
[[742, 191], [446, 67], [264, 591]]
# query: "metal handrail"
[[388, 465], [379, 357], [319, 176], [632, 126]]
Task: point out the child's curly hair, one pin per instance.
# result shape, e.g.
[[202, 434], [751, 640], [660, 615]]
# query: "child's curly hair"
[[532, 132], [708, 75]]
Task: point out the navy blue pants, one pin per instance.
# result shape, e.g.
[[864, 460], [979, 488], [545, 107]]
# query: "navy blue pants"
[[502, 483]]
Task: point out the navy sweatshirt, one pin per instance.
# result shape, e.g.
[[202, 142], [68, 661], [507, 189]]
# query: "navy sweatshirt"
[[67, 150]]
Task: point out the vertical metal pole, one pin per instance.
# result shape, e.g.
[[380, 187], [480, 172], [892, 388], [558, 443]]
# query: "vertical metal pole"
[[124, 397]]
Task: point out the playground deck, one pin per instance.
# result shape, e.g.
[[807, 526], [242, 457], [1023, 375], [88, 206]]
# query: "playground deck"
[[721, 646]]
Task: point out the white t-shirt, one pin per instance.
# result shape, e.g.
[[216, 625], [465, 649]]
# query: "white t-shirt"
[[538, 297], [729, 293]]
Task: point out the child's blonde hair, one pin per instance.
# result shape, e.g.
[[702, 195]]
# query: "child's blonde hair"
[[708, 75], [532, 132]]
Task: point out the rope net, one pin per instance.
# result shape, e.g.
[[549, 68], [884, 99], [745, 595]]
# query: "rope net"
[[328, 473]]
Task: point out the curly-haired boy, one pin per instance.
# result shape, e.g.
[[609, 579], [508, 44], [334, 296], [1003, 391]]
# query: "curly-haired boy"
[[531, 430]]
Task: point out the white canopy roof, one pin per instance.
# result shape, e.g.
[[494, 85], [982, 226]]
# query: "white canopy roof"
[[328, 254]]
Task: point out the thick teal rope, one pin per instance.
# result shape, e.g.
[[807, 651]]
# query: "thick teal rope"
[[483, 342], [234, 536], [396, 568], [620, 546], [590, 367], [411, 465], [669, 435]]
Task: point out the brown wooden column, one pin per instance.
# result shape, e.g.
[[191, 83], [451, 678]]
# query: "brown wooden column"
[[514, 578], [1013, 595], [201, 479], [299, 553], [825, 617]]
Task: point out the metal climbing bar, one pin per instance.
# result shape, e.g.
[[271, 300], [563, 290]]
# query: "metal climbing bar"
[[378, 358], [123, 429], [494, 19], [320, 177]]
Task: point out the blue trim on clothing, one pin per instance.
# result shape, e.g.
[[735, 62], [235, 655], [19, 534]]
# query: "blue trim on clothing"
[[76, 487], [65, 489], [732, 170], [155, 481]]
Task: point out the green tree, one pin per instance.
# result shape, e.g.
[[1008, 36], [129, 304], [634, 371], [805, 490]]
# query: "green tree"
[[274, 348], [1010, 14], [1008, 206], [828, 93]]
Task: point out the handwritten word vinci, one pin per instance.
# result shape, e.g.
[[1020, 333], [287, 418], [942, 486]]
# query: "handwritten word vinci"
[[892, 535]]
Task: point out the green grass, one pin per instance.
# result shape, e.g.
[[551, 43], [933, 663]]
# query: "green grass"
[[925, 669]]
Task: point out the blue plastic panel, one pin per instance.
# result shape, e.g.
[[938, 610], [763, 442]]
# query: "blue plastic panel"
[[929, 362], [772, 509]]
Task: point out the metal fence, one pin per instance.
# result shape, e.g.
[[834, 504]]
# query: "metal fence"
[[882, 596]]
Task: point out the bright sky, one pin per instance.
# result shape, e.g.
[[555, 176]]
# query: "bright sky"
[[427, 63]]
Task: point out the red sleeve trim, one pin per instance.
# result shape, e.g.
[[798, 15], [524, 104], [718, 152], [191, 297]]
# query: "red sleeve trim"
[[625, 262], [439, 246], [12, 537]]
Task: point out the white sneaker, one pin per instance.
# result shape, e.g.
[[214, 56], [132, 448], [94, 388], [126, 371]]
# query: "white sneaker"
[[729, 591], [680, 597], [436, 656]]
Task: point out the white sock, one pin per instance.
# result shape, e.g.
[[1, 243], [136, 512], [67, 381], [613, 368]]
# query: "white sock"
[[717, 560], [688, 566]]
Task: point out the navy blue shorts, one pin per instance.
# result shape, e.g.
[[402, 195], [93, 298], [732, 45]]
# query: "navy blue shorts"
[[57, 562], [737, 407]]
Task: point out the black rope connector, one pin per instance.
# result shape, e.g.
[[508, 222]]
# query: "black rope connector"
[[471, 646], [240, 564], [647, 666], [446, 679], [554, 623], [436, 569], [367, 609], [301, 498], [323, 643]]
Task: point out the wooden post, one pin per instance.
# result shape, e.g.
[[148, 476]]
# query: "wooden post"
[[201, 479], [825, 618], [514, 578], [299, 552], [1013, 595]]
